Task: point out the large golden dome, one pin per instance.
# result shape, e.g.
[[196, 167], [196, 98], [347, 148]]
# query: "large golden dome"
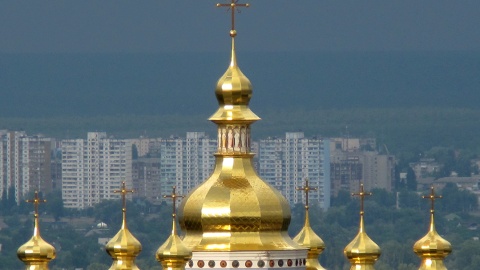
[[234, 209]]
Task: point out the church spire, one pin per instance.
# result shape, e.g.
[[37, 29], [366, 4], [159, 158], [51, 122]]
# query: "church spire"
[[36, 253], [173, 254], [362, 252], [432, 248], [123, 247], [307, 237]]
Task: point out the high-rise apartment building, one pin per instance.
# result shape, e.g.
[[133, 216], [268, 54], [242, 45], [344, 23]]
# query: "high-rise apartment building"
[[285, 163], [181, 162], [355, 161], [24, 164], [92, 169]]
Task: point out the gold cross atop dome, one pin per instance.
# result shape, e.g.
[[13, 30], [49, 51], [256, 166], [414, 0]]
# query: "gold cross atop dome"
[[432, 197], [306, 189], [174, 196], [36, 201], [362, 194], [232, 7], [124, 192]]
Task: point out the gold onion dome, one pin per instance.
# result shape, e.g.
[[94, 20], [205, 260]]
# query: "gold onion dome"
[[173, 254], [432, 248], [362, 252], [309, 239], [123, 247], [234, 209], [36, 252]]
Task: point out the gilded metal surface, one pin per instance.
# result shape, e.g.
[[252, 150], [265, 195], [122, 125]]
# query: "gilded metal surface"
[[173, 254], [36, 252], [432, 248], [362, 252], [123, 247], [307, 237], [235, 210], [233, 93]]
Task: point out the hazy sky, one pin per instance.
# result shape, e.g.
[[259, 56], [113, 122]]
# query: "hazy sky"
[[278, 25]]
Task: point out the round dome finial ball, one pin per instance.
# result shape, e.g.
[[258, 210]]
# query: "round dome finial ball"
[[233, 33]]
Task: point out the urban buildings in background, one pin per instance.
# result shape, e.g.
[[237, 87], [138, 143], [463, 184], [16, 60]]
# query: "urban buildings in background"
[[92, 169], [88, 171], [354, 161], [285, 163], [182, 162], [24, 164]]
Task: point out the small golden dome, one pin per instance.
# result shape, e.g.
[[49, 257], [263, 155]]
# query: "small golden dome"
[[173, 254], [36, 250], [309, 239], [362, 249], [233, 93], [123, 247], [432, 248]]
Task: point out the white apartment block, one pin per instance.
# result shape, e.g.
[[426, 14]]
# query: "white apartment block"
[[183, 162], [24, 164], [93, 169], [286, 163]]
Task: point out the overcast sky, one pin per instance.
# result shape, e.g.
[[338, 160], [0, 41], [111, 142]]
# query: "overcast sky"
[[275, 25]]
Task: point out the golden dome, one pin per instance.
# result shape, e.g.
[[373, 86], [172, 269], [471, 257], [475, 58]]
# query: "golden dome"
[[362, 252], [233, 93], [123, 247], [36, 252], [309, 239], [432, 248], [173, 254], [234, 209]]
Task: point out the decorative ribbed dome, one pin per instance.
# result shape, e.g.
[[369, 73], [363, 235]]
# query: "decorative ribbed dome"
[[432, 248], [362, 252], [234, 209], [173, 254], [309, 239], [123, 247], [233, 93], [36, 252]]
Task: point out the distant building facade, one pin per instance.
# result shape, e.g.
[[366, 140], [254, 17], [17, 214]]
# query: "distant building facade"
[[92, 169], [285, 163], [24, 164], [355, 161], [181, 162]]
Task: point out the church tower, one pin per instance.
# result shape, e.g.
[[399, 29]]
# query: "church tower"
[[235, 219], [123, 247], [36, 252], [362, 252], [432, 248]]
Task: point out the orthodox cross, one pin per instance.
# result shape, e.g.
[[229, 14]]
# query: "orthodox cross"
[[124, 192], [362, 194], [233, 6], [432, 197], [174, 197], [307, 188], [36, 201]]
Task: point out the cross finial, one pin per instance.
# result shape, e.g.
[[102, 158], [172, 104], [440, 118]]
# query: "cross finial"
[[124, 192], [174, 197], [432, 197], [362, 194], [233, 7], [306, 189], [36, 201]]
